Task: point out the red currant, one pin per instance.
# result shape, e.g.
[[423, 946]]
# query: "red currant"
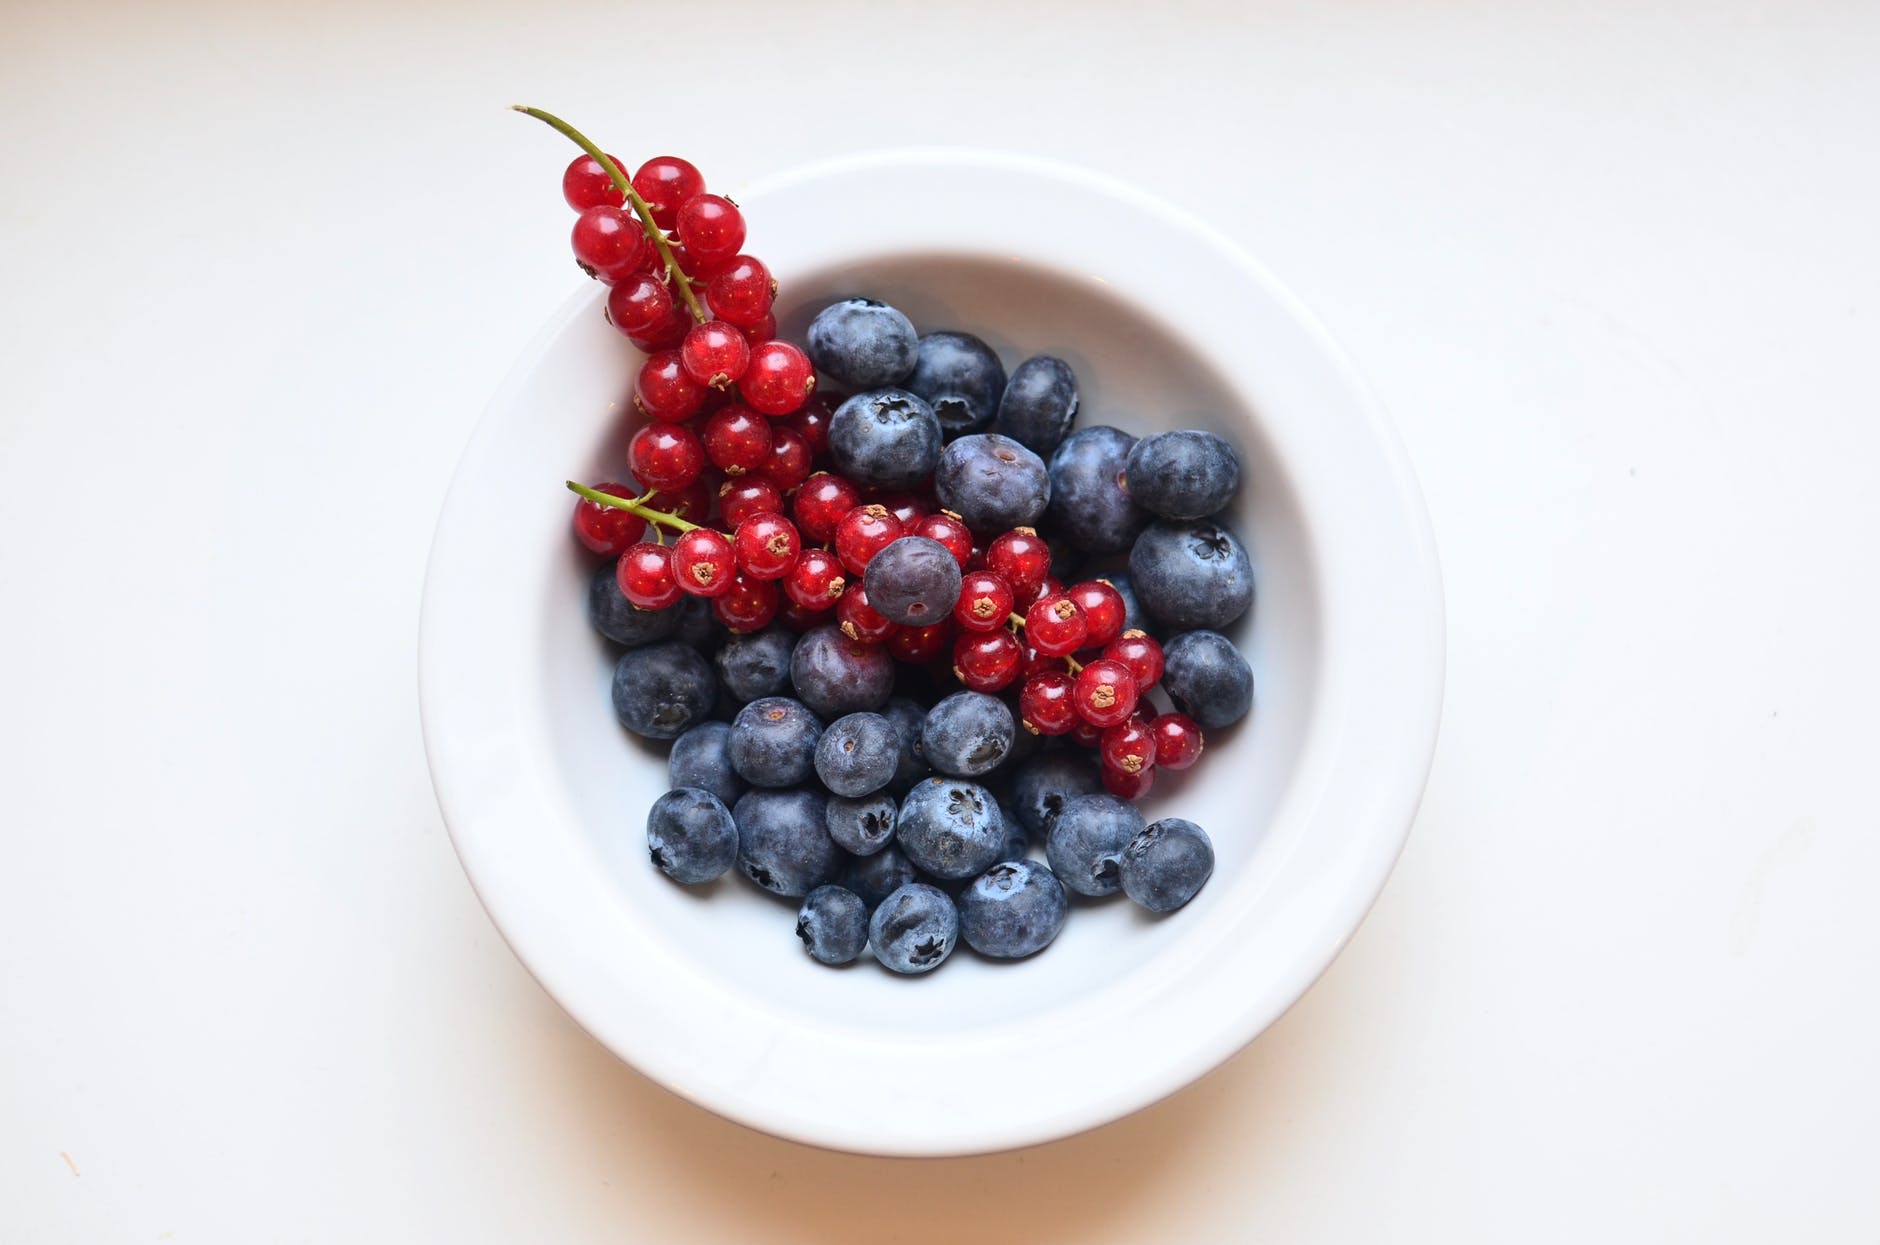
[[1106, 692], [794, 616], [864, 532], [638, 304], [738, 500], [860, 620], [950, 530], [1040, 663], [715, 353], [1103, 610], [920, 645], [987, 661], [985, 602], [742, 292], [815, 583], [1044, 703], [906, 507], [693, 503], [608, 243], [710, 226], [1055, 626], [789, 460], [747, 605], [1126, 786], [764, 330], [1022, 558], [585, 183], [1141, 654], [1083, 734], [820, 503], [668, 333], [812, 420], [1128, 746], [780, 378], [703, 562], [664, 390], [737, 439], [1049, 588], [767, 546], [665, 456], [645, 576], [666, 182], [1178, 740], [607, 530]]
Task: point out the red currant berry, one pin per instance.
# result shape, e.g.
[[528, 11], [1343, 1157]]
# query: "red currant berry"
[[1178, 740], [779, 379], [664, 390], [585, 184], [985, 602], [864, 532], [666, 182], [813, 422], [1049, 588], [742, 292], [920, 645], [789, 461], [710, 226], [820, 503], [950, 530], [987, 661], [638, 305], [767, 546], [1141, 654], [668, 333], [737, 439], [1126, 786], [1055, 626], [795, 617], [693, 503], [665, 456], [1022, 559], [703, 562], [607, 530], [645, 576], [738, 500], [1041, 663], [764, 330], [815, 583], [860, 620], [1106, 692], [608, 243], [1044, 703], [1128, 746], [1103, 610], [1083, 734], [715, 353], [747, 605]]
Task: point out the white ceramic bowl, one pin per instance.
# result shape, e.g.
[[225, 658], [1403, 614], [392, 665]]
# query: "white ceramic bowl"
[[1167, 324]]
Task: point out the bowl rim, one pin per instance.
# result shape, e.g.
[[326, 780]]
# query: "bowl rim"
[[1407, 712]]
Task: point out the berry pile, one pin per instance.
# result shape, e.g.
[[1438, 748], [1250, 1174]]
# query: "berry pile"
[[902, 639]]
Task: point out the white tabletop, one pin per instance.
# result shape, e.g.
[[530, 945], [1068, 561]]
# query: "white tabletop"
[[1617, 275]]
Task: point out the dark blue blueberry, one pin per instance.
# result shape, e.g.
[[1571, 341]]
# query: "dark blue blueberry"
[[1085, 838], [911, 765], [914, 581], [857, 754], [702, 758], [697, 625], [691, 835], [1191, 574], [619, 619], [835, 675], [1017, 842], [1014, 908], [663, 690], [1089, 505], [1166, 864], [862, 344], [1207, 678], [914, 929], [1039, 405], [783, 843], [967, 734], [862, 824], [1041, 785], [993, 483], [833, 924], [773, 742], [1188, 474], [961, 378], [889, 438], [1135, 618], [756, 665], [876, 877], [950, 828]]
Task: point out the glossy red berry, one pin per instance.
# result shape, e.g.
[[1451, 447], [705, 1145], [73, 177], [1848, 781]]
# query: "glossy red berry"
[[1054, 625], [665, 456], [987, 661], [788, 463], [703, 562], [715, 353], [1178, 740], [747, 605], [1127, 746], [608, 243], [693, 503], [779, 380], [1141, 653], [645, 576], [607, 530], [797, 618], [1103, 610], [864, 532], [812, 420], [1044, 703], [920, 645], [1127, 786], [585, 184], [1049, 588], [764, 330], [638, 304], [950, 530], [1023, 559], [742, 292], [985, 602], [1083, 734], [664, 391], [710, 226], [666, 182], [820, 503], [736, 438], [767, 546], [860, 620], [1105, 693], [816, 582], [1040, 663], [668, 333], [907, 507], [739, 499]]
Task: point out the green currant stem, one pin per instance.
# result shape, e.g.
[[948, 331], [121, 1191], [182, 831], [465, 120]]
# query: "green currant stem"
[[625, 187], [1018, 624], [634, 505]]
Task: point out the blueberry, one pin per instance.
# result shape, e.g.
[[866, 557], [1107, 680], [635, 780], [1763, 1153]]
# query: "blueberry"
[[1191, 574], [663, 690], [619, 619], [773, 742], [876, 877], [1041, 786], [914, 581], [862, 824], [857, 754], [697, 626], [967, 734], [992, 482], [691, 835], [702, 758], [833, 924], [756, 665], [952, 829], [1166, 864], [1014, 908], [862, 344], [888, 438], [835, 675], [1040, 404], [1089, 504], [1207, 678], [1188, 474], [783, 844], [961, 378], [911, 763], [914, 929], [1135, 618], [1017, 842], [1085, 838]]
